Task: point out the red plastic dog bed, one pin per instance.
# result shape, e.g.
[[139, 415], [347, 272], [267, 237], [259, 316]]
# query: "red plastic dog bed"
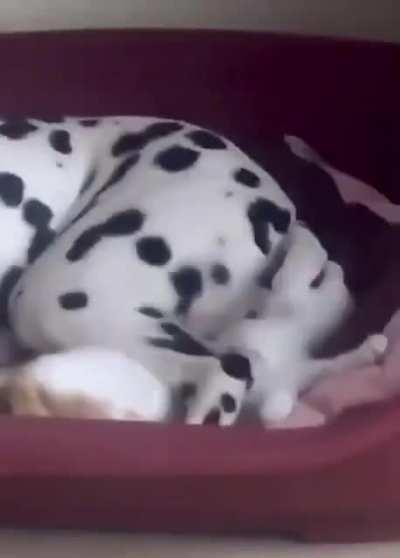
[[339, 482]]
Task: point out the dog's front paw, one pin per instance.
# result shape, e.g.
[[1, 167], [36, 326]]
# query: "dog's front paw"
[[222, 411], [277, 407]]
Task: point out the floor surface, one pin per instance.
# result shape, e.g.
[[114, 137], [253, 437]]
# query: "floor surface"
[[29, 544]]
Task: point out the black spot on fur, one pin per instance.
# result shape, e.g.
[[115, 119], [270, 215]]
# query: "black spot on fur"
[[318, 280], [228, 403], [150, 312], [263, 212], [42, 238], [127, 142], [188, 284], [153, 250], [179, 341], [123, 223], [73, 300], [206, 140], [36, 213], [118, 174], [84, 243], [91, 177], [187, 391], [89, 122], [213, 417], [8, 282], [11, 189], [171, 328], [251, 315], [51, 120], [134, 141], [247, 178], [220, 274], [176, 158], [261, 236], [60, 141], [265, 278], [238, 367], [267, 211], [16, 129]]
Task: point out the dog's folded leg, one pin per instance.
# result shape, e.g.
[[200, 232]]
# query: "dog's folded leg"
[[220, 398]]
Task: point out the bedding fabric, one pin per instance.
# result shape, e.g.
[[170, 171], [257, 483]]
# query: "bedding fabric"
[[333, 395]]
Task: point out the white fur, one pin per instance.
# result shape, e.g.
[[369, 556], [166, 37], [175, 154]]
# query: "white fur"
[[191, 210], [202, 213], [296, 318]]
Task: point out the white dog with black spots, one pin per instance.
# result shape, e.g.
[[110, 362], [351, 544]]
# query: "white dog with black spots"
[[154, 240]]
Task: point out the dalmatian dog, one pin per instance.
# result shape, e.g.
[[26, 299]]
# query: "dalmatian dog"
[[135, 231], [308, 300], [141, 235]]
